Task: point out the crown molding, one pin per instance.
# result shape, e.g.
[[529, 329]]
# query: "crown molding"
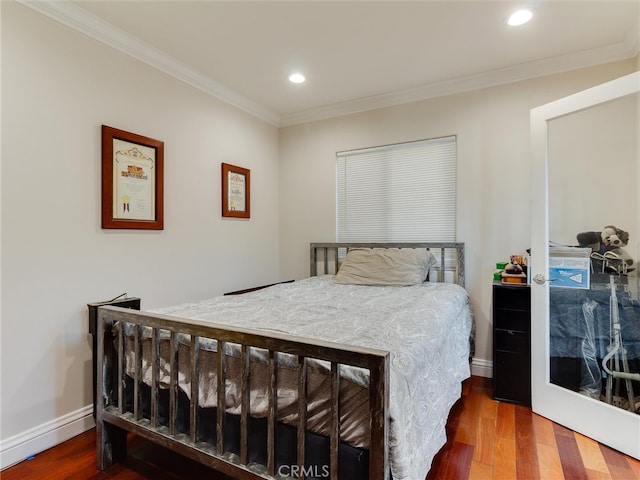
[[82, 21], [526, 71]]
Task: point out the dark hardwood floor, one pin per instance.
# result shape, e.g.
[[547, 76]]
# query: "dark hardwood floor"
[[490, 440], [487, 440]]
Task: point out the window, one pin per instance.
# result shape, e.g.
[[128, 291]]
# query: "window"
[[398, 193]]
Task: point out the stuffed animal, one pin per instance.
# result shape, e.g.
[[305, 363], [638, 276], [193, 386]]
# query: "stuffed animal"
[[610, 239]]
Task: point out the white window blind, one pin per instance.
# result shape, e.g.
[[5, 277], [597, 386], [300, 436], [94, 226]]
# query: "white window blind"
[[398, 193]]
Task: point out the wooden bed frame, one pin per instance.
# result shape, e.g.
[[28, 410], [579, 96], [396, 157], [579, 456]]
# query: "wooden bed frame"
[[114, 420]]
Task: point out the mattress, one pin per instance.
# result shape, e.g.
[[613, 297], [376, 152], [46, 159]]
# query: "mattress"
[[427, 329]]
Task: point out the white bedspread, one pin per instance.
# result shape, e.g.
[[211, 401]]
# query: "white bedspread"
[[426, 328]]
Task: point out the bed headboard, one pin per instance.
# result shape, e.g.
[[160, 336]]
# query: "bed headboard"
[[325, 258]]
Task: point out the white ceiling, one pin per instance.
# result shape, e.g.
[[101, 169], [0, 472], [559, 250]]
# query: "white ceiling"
[[356, 55]]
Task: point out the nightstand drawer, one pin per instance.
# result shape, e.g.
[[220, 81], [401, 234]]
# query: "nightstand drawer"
[[512, 378], [512, 319], [511, 341], [512, 297]]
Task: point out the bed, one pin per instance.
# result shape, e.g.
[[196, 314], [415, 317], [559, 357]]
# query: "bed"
[[336, 376]]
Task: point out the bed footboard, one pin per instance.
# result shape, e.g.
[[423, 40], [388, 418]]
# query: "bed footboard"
[[114, 420]]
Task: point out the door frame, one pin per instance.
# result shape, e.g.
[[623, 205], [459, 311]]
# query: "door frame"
[[605, 423]]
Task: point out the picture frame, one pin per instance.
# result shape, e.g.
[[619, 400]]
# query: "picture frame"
[[236, 191], [132, 181]]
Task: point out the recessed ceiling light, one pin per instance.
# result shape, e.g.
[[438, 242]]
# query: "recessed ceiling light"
[[520, 17], [296, 78]]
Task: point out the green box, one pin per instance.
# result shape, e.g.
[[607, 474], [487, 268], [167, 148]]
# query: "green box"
[[501, 265]]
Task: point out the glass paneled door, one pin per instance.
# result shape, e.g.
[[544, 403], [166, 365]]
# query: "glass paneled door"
[[585, 252]]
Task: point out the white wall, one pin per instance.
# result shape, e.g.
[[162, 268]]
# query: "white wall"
[[58, 87], [492, 127]]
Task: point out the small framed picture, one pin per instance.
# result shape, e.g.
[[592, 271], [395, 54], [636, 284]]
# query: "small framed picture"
[[236, 191], [132, 180]]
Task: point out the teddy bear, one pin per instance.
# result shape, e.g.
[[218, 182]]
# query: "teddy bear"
[[607, 247]]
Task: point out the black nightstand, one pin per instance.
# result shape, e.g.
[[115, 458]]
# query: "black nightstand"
[[512, 343], [127, 302]]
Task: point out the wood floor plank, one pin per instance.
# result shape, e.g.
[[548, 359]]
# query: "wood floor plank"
[[478, 384], [18, 472], [459, 462], [549, 464], [506, 420], [488, 407], [591, 455], [525, 438], [621, 473], [597, 475], [561, 430], [468, 420], [526, 452], [528, 471], [480, 471], [485, 441], [570, 457], [613, 458], [543, 431], [440, 463], [504, 459], [635, 466], [466, 432]]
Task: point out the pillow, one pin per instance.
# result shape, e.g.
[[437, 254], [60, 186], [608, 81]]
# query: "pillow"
[[385, 266]]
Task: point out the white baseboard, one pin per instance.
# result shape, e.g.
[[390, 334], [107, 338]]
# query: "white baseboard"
[[20, 447], [482, 368]]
